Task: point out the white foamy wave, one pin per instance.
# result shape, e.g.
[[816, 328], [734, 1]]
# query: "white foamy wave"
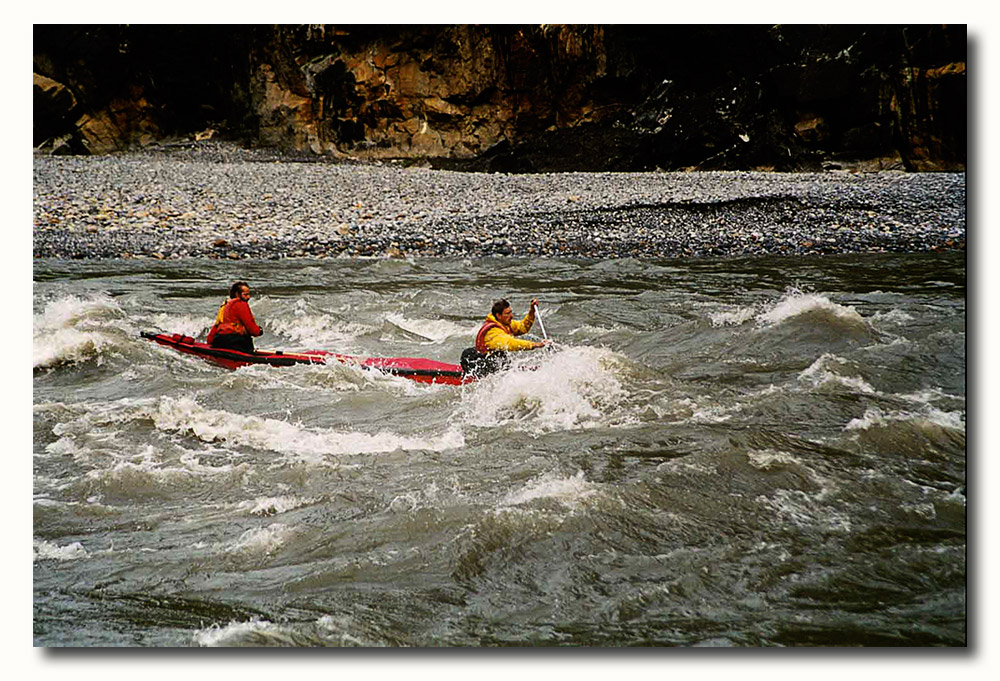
[[770, 459], [192, 463], [434, 330], [688, 465], [64, 445], [67, 346], [589, 330], [824, 371], [146, 472], [714, 413], [314, 331], [89, 430], [43, 550], [875, 417], [796, 303], [261, 540], [187, 416], [137, 477], [70, 311], [931, 395], [733, 318], [267, 506], [804, 509], [69, 330], [216, 635], [427, 495], [571, 492], [336, 628], [793, 304], [897, 343], [688, 410], [893, 316], [570, 388], [188, 325], [327, 630]]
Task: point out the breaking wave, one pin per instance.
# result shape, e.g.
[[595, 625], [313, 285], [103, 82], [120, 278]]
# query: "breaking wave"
[[793, 304], [567, 389], [73, 330]]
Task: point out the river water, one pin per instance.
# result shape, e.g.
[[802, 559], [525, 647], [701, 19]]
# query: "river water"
[[734, 452]]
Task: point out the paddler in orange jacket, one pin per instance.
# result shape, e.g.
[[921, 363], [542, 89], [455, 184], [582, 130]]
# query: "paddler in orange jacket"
[[498, 336], [234, 324]]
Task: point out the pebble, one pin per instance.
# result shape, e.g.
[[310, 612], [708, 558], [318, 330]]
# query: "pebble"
[[215, 200]]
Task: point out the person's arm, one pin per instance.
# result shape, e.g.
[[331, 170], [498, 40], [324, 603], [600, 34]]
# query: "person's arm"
[[523, 326], [496, 339], [243, 313]]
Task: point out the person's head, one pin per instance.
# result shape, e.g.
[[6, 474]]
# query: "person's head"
[[501, 311], [240, 289]]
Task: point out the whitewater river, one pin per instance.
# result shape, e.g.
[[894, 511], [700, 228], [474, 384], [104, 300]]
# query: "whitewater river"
[[734, 452]]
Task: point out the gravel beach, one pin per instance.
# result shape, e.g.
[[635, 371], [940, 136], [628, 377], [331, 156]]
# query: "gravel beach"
[[220, 201]]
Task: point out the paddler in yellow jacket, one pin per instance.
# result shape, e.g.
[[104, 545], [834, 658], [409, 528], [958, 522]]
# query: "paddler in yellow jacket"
[[498, 336]]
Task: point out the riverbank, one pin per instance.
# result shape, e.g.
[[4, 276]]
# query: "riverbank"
[[220, 201]]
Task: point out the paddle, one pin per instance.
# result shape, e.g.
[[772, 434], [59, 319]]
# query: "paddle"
[[541, 324]]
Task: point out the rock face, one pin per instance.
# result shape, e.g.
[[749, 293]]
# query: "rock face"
[[517, 98]]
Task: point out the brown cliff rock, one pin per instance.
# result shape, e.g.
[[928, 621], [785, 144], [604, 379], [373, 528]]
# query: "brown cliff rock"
[[427, 91], [54, 105], [125, 123], [517, 98], [930, 108]]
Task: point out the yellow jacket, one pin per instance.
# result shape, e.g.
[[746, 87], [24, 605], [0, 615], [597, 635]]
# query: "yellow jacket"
[[495, 336]]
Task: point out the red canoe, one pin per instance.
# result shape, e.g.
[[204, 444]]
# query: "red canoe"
[[414, 368]]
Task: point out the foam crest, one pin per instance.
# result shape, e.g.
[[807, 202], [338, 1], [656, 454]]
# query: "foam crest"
[[63, 446], [316, 331], [69, 331], [931, 395], [733, 318], [570, 388], [770, 459], [188, 325], [94, 417], [795, 303], [69, 311], [587, 330], [43, 550], [327, 630], [928, 416], [186, 416], [571, 492], [232, 633], [267, 506], [427, 495], [261, 540], [147, 473], [826, 371], [804, 509], [434, 330], [894, 316]]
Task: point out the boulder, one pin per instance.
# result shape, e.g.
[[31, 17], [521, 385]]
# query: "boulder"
[[53, 107]]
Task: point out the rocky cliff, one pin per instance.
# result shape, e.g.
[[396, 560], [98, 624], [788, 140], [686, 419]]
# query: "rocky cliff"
[[516, 98]]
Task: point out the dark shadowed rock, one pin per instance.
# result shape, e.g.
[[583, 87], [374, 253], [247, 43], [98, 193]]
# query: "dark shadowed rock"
[[511, 98]]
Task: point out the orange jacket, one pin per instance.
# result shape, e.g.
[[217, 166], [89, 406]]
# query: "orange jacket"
[[234, 317]]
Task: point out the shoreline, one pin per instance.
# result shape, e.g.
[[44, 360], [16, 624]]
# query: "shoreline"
[[224, 202]]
